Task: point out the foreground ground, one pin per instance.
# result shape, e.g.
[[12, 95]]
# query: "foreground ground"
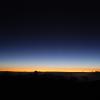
[[66, 77], [55, 82]]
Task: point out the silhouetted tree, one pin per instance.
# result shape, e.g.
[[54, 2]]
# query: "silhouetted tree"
[[36, 73]]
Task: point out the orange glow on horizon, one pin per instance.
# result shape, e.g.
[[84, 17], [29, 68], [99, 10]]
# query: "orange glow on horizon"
[[47, 69]]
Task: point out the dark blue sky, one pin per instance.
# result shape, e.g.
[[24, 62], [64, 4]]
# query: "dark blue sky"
[[49, 35]]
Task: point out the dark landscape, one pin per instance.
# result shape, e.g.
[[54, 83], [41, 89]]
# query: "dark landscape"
[[50, 83], [82, 78]]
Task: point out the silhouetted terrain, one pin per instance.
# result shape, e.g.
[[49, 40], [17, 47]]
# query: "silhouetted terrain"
[[47, 83], [78, 77]]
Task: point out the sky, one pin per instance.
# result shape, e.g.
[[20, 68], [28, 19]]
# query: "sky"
[[35, 34]]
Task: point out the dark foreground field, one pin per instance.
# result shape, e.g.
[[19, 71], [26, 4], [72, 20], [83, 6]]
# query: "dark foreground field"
[[73, 78], [51, 82]]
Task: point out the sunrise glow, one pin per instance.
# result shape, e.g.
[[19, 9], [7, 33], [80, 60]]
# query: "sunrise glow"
[[47, 69]]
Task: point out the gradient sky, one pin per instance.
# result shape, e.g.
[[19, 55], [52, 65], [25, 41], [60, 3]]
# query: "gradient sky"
[[34, 34]]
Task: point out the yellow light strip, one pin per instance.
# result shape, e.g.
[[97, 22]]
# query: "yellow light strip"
[[48, 69]]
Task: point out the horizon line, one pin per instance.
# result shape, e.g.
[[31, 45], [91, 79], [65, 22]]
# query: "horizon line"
[[48, 69]]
